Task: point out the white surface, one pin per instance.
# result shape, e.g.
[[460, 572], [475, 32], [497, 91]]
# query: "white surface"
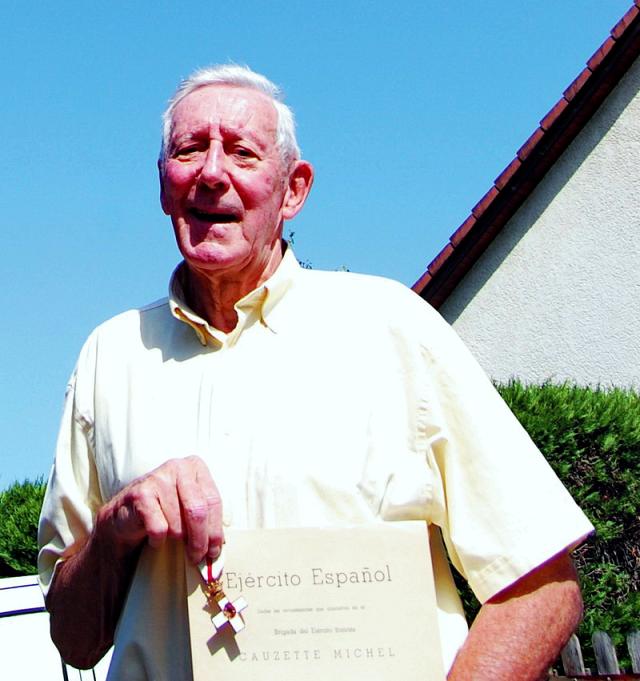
[[557, 294], [20, 593], [26, 650]]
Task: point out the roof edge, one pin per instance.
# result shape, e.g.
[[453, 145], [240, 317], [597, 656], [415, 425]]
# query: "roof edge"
[[557, 130]]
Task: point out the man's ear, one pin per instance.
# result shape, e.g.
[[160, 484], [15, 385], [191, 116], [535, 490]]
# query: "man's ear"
[[163, 196], [298, 188]]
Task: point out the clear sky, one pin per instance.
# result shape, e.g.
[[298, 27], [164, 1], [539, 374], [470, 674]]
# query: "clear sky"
[[408, 111]]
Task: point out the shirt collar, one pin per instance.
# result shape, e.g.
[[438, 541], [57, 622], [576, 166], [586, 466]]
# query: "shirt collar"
[[256, 305]]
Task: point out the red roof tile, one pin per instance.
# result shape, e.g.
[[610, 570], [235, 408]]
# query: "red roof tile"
[[624, 23], [601, 53], [484, 202], [578, 83], [423, 281], [504, 177], [530, 144], [440, 259], [463, 230], [553, 114]]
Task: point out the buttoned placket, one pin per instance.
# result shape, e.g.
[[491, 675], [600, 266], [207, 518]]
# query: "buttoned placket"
[[224, 432]]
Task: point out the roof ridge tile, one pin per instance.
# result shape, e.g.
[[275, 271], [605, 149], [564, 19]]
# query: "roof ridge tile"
[[507, 173], [553, 114], [596, 58], [484, 202], [440, 259], [463, 230], [529, 145], [578, 83], [623, 24]]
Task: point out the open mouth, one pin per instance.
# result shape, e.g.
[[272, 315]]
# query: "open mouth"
[[207, 216]]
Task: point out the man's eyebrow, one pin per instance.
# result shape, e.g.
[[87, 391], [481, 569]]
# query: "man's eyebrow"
[[234, 132], [245, 132], [191, 133], [188, 136]]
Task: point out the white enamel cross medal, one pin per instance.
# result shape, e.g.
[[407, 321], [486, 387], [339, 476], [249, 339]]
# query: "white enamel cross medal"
[[224, 611]]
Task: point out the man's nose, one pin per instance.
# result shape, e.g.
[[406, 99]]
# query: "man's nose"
[[213, 172]]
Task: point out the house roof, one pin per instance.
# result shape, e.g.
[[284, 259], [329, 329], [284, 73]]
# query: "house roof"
[[536, 156]]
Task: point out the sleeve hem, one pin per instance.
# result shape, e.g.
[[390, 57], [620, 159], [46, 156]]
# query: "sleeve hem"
[[503, 571]]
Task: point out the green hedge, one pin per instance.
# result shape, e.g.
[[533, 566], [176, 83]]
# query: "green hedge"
[[592, 440]]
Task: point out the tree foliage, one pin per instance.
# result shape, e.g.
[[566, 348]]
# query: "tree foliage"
[[19, 511], [591, 438]]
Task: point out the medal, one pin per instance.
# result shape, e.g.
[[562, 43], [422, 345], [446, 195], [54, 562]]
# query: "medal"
[[224, 612]]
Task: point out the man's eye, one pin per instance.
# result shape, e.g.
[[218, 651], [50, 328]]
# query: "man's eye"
[[186, 151], [243, 152]]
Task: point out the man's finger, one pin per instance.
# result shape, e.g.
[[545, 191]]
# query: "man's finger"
[[140, 515], [216, 532], [165, 481], [215, 535], [195, 509]]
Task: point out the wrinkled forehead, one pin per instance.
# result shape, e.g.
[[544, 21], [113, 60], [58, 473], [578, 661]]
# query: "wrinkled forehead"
[[226, 107]]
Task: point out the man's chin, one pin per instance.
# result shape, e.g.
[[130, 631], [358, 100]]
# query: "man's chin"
[[207, 257]]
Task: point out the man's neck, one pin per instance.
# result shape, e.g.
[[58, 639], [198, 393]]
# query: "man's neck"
[[213, 295]]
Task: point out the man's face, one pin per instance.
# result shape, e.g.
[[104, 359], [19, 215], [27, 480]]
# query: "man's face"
[[224, 185]]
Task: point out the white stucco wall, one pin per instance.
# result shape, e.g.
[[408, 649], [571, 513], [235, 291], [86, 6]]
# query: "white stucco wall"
[[557, 295]]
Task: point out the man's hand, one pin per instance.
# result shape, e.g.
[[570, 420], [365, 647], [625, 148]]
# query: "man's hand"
[[519, 632], [177, 500]]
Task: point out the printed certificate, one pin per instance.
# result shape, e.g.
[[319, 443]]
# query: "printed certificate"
[[356, 603]]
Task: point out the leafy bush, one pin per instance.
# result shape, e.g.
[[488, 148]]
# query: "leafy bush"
[[591, 438], [19, 511]]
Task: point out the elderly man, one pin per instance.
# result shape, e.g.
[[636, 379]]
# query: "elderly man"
[[263, 395]]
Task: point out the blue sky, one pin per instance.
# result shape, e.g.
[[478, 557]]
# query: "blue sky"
[[407, 110]]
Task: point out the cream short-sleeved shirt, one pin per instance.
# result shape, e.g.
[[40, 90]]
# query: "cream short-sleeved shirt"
[[338, 399]]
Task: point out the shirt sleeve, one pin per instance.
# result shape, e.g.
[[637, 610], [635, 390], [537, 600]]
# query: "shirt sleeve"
[[501, 508], [72, 496]]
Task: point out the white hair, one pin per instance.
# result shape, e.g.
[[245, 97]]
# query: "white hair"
[[240, 76]]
